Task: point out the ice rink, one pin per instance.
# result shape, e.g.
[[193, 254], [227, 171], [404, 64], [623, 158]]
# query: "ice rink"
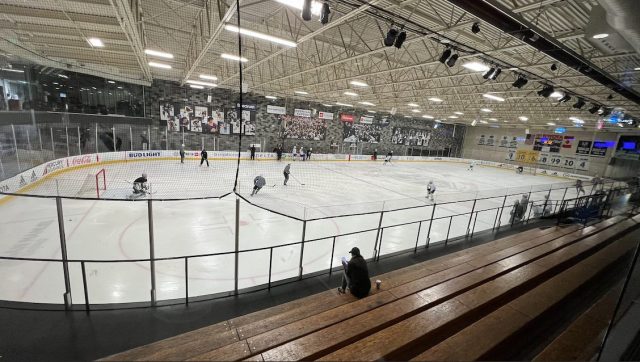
[[100, 230]]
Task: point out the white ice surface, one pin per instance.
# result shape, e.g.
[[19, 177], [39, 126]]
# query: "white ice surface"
[[118, 230]]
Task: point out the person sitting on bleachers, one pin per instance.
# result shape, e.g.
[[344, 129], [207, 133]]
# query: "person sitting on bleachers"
[[355, 275]]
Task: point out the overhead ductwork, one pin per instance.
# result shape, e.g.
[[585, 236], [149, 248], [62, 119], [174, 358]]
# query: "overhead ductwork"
[[598, 26], [622, 15]]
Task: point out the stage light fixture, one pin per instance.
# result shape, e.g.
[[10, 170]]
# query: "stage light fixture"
[[579, 104], [400, 39], [520, 82], [392, 34], [306, 10], [606, 111], [488, 73], [475, 28], [324, 13], [594, 108], [452, 60], [496, 74], [546, 91], [610, 97], [565, 98], [554, 67], [445, 55]]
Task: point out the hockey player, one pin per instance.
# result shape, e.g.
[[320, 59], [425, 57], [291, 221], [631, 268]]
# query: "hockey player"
[[252, 150], [140, 184], [431, 189], [471, 164], [595, 181], [182, 153], [258, 183], [375, 155], [303, 154], [579, 187], [309, 153], [294, 153], [388, 158], [287, 171], [519, 169], [204, 157]]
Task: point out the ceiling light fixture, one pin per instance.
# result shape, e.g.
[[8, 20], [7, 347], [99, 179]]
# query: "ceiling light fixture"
[[391, 36], [367, 104], [271, 97], [476, 66], [255, 34], [415, 111], [234, 57], [579, 104], [208, 77], [316, 7], [206, 84], [196, 86], [358, 83], [546, 91], [159, 65], [12, 70], [523, 118], [435, 99], [412, 105], [157, 53], [594, 108], [475, 28], [600, 36], [301, 92], [453, 117], [520, 82], [483, 121], [551, 124], [371, 111], [565, 98], [458, 113], [494, 97], [95, 42], [350, 94], [486, 110], [427, 116], [556, 94], [474, 122]]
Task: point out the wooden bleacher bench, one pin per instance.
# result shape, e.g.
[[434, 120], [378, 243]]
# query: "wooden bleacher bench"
[[482, 339], [444, 314], [247, 336], [580, 341]]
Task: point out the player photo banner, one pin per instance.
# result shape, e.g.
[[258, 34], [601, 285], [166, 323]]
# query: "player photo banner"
[[302, 113], [303, 128], [584, 147], [325, 115], [366, 119], [411, 136], [548, 142], [358, 132], [232, 122], [213, 123], [167, 114]]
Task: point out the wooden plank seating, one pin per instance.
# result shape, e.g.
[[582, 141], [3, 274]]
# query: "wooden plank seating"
[[443, 315], [580, 341], [228, 332], [268, 328], [475, 343]]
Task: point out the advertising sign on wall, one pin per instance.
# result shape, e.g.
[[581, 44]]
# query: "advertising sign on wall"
[[584, 147], [366, 119], [344, 117], [276, 109], [325, 115], [302, 112], [599, 149]]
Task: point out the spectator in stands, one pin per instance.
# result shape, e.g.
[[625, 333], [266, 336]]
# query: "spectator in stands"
[[515, 211], [355, 275], [309, 153], [182, 154], [253, 152], [375, 154]]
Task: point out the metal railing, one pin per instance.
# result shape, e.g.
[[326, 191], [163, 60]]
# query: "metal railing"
[[535, 209]]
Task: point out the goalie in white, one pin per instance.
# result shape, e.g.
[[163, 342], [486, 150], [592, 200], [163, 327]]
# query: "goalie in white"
[[431, 189], [140, 185]]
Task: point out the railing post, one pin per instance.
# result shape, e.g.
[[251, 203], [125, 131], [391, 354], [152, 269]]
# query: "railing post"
[[79, 143], [496, 223], [270, 263], [474, 224], [186, 280], [84, 285], [448, 230], [415, 248], [375, 245], [473, 208], [152, 253], [63, 252], [66, 132], [15, 145], [333, 248], [433, 212], [237, 239], [304, 230], [380, 245]]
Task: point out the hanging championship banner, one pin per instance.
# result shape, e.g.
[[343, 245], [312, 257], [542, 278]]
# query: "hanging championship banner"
[[510, 155]]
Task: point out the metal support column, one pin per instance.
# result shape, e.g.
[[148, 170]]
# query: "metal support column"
[[415, 249], [496, 223], [152, 252], [473, 208], [375, 245], [130, 139], [66, 133], [113, 132], [79, 143], [63, 252], [333, 248], [84, 286]]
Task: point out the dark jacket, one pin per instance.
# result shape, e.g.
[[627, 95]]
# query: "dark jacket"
[[203, 154], [358, 273]]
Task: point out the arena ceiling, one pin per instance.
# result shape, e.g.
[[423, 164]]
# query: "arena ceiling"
[[327, 58]]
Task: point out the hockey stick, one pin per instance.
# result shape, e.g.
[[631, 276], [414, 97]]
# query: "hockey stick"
[[298, 181]]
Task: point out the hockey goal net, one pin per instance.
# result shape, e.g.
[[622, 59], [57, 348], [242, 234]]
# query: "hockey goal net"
[[94, 184]]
